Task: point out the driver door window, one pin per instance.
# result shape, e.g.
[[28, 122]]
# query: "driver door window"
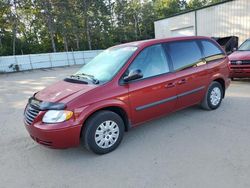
[[151, 61], [148, 98]]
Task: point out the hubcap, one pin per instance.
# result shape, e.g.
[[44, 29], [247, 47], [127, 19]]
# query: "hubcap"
[[215, 96], [106, 134]]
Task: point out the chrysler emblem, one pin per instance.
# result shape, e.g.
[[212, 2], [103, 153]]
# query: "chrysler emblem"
[[238, 62]]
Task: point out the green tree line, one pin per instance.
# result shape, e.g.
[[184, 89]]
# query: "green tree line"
[[37, 26]]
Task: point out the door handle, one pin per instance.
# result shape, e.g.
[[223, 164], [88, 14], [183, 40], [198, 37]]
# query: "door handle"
[[170, 85], [182, 81]]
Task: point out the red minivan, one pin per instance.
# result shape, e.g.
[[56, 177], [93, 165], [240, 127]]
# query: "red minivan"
[[240, 61], [125, 86]]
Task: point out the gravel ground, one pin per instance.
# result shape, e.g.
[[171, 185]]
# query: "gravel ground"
[[188, 149]]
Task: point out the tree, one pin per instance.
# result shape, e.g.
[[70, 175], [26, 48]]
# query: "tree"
[[4, 26], [47, 15], [194, 4], [165, 8], [35, 26]]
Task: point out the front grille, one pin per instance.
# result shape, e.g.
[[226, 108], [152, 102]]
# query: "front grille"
[[244, 62], [30, 114]]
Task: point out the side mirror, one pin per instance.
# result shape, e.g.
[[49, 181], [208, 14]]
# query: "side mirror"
[[133, 75]]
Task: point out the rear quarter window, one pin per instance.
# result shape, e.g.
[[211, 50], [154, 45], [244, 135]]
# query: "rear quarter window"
[[184, 54], [211, 51]]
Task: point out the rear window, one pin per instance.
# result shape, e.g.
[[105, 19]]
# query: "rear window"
[[184, 54], [211, 51]]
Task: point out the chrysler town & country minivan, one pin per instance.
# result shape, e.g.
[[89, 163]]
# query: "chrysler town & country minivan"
[[125, 86]]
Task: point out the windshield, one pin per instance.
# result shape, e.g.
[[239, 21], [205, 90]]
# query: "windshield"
[[245, 46], [105, 65]]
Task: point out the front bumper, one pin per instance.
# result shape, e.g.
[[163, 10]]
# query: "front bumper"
[[47, 135], [242, 71]]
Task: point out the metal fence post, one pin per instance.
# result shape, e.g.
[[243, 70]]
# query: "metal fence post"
[[31, 66], [67, 58], [73, 56], [50, 60], [1, 66], [83, 58], [18, 68]]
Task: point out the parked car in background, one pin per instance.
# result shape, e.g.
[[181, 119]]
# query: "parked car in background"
[[240, 61], [125, 86]]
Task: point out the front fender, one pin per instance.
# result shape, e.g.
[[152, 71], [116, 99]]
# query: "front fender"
[[82, 114]]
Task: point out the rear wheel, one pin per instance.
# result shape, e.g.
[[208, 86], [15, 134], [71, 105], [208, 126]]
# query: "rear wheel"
[[103, 132], [232, 79], [213, 97]]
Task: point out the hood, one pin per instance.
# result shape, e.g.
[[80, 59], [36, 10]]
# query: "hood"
[[240, 55], [61, 90]]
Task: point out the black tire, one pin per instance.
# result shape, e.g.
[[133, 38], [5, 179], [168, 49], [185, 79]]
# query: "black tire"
[[232, 79], [89, 131], [207, 101]]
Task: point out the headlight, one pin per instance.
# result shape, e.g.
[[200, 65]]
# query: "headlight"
[[57, 116]]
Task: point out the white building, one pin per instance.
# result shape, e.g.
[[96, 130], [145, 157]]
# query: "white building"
[[224, 19]]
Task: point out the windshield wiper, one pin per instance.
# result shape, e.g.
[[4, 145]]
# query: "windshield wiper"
[[75, 79], [88, 76]]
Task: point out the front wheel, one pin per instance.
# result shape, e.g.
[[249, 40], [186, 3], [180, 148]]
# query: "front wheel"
[[213, 97], [103, 132]]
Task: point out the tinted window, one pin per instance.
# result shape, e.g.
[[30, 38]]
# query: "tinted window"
[[184, 54], [151, 61], [245, 46], [210, 49]]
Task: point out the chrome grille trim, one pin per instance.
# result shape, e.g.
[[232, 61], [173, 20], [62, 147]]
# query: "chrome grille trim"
[[243, 62], [30, 114]]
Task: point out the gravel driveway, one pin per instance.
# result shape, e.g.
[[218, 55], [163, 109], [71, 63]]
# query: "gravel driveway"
[[192, 148]]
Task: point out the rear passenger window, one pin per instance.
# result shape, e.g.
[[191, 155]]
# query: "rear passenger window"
[[184, 54], [211, 51]]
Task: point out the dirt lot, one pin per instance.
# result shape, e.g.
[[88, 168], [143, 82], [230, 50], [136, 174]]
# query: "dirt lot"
[[189, 149]]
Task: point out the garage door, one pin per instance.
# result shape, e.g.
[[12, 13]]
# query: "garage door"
[[187, 31]]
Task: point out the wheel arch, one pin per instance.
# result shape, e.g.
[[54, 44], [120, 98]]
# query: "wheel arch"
[[118, 110], [121, 111], [221, 81]]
